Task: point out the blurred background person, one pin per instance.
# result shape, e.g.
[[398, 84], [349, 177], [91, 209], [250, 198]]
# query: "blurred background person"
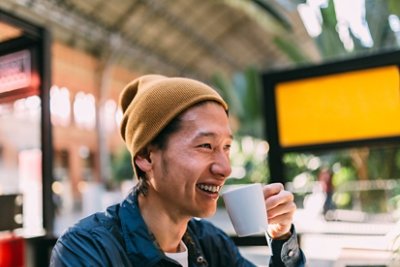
[[325, 178]]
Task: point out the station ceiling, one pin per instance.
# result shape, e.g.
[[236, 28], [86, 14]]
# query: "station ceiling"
[[175, 37]]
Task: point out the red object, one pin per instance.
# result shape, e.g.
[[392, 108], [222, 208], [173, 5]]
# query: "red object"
[[12, 251]]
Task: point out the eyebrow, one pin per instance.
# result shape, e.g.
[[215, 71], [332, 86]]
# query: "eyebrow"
[[209, 134]]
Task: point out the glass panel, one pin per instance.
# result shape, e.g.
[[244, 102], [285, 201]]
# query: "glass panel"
[[364, 183], [21, 158]]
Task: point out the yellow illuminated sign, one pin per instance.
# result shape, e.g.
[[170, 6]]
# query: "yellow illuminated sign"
[[348, 106]]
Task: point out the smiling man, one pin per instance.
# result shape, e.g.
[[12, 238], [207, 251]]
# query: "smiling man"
[[177, 131]]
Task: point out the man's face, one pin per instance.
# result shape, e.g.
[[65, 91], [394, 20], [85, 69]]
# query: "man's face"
[[188, 174]]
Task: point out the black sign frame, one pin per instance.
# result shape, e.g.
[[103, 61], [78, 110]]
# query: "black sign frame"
[[270, 80]]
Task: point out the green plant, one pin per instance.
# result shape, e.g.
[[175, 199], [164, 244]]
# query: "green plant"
[[248, 158], [243, 92]]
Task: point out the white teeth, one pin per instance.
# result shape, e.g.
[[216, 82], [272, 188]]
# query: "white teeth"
[[210, 188]]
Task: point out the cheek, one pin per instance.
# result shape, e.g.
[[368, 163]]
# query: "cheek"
[[183, 167]]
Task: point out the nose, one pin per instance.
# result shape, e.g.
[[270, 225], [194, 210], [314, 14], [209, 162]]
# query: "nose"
[[221, 165]]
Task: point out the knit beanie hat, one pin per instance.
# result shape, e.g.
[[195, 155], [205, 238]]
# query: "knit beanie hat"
[[150, 102]]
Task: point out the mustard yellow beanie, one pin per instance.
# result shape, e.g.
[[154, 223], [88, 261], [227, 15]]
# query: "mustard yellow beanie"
[[150, 102]]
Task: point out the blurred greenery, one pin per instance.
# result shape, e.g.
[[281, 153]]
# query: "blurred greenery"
[[121, 166]]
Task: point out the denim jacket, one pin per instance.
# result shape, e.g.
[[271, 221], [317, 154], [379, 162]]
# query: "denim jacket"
[[120, 237]]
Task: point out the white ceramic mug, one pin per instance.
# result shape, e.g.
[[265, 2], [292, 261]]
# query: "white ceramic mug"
[[245, 205]]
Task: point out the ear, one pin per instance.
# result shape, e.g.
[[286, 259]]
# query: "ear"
[[144, 163]]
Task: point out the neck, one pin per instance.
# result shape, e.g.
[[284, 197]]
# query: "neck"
[[168, 228]]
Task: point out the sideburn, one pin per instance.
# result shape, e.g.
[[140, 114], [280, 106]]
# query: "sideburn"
[[164, 166]]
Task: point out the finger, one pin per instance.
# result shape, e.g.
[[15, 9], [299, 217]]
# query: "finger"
[[272, 189], [282, 221], [286, 209], [279, 199]]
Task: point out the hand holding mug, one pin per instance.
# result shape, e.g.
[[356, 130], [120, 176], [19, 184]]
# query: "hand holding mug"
[[280, 210]]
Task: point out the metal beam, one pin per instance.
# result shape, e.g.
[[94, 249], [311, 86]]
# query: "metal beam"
[[213, 49], [63, 14]]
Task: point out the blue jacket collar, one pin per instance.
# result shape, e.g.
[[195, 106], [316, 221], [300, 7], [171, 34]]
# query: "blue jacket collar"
[[141, 246]]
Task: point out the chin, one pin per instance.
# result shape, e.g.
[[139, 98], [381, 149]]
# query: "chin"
[[207, 213]]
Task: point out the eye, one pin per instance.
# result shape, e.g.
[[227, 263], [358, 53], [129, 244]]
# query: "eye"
[[227, 147], [208, 146]]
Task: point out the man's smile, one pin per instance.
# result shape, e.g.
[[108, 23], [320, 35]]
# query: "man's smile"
[[209, 188]]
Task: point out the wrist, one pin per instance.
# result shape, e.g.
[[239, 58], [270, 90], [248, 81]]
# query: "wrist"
[[285, 236]]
